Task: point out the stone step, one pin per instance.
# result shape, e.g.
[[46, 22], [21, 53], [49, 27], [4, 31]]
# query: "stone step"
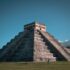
[[38, 38], [39, 42], [44, 53], [40, 45], [37, 34], [46, 58], [52, 59]]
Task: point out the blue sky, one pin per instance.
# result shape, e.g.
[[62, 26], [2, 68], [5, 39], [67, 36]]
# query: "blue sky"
[[14, 14]]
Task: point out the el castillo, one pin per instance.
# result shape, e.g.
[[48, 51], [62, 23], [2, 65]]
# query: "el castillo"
[[34, 44]]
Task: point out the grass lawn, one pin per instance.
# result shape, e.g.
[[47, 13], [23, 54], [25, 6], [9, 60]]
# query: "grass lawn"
[[34, 66]]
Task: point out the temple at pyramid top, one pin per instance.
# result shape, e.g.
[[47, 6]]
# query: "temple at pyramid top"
[[35, 26]]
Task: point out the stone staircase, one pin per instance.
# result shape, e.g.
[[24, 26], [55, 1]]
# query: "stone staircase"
[[56, 45], [41, 51]]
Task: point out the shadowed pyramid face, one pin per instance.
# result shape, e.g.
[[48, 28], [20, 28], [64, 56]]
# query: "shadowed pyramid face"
[[34, 44]]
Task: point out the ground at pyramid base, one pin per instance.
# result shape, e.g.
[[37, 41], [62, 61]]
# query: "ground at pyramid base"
[[34, 44]]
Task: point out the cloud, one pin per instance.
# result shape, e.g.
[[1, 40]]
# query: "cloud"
[[66, 40], [63, 41], [60, 41]]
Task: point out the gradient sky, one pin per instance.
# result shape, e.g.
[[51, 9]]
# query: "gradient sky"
[[14, 14]]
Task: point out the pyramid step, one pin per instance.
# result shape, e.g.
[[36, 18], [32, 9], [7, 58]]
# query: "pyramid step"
[[40, 42], [40, 45], [38, 38], [37, 35], [39, 50], [52, 59], [48, 59]]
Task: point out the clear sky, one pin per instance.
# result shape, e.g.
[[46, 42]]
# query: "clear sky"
[[15, 13]]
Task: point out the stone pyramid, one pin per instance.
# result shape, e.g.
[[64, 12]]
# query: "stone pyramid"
[[34, 44]]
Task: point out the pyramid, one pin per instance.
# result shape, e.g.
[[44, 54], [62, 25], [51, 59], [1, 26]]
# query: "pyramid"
[[34, 44]]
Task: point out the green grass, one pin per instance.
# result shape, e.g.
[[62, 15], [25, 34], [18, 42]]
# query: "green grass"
[[34, 66]]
